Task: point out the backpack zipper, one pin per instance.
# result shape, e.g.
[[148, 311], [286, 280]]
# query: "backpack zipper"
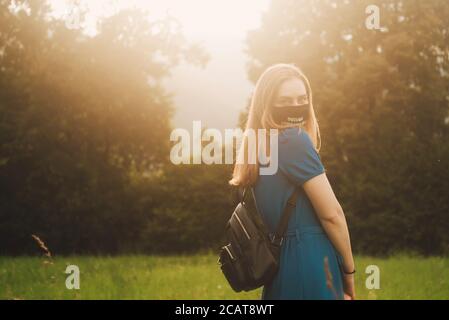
[[229, 252], [241, 224]]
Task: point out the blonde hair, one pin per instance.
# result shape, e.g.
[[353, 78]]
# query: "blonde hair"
[[259, 117]]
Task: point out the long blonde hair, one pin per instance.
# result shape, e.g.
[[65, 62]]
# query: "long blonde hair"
[[259, 117]]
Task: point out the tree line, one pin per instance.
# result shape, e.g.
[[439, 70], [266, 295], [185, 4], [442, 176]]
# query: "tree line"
[[85, 126]]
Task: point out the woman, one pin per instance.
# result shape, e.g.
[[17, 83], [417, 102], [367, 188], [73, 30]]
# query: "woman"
[[316, 256]]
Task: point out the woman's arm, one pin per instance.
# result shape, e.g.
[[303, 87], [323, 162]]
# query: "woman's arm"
[[331, 215]]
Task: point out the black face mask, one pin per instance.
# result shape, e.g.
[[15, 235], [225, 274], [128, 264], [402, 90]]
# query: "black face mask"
[[291, 114]]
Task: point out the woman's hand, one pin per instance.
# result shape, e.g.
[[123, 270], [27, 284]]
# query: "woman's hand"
[[348, 286]]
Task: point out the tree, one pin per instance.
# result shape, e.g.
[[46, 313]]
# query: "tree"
[[78, 114], [382, 104]]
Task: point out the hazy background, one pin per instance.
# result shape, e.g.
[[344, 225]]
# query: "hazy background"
[[87, 108], [220, 27]]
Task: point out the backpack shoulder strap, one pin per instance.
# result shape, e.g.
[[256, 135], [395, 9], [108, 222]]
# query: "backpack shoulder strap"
[[242, 193], [282, 226]]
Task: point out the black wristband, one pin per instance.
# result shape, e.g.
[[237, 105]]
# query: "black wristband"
[[352, 272]]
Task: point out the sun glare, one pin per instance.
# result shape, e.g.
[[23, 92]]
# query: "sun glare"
[[200, 19]]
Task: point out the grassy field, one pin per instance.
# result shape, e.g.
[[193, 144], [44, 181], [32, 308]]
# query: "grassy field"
[[195, 277]]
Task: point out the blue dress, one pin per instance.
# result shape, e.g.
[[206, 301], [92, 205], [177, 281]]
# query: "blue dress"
[[303, 272]]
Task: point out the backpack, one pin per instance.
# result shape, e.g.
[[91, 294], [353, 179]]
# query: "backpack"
[[251, 257]]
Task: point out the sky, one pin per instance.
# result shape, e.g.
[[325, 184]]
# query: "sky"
[[216, 94]]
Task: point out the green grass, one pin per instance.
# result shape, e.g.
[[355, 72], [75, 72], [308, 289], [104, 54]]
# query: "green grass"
[[196, 277]]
